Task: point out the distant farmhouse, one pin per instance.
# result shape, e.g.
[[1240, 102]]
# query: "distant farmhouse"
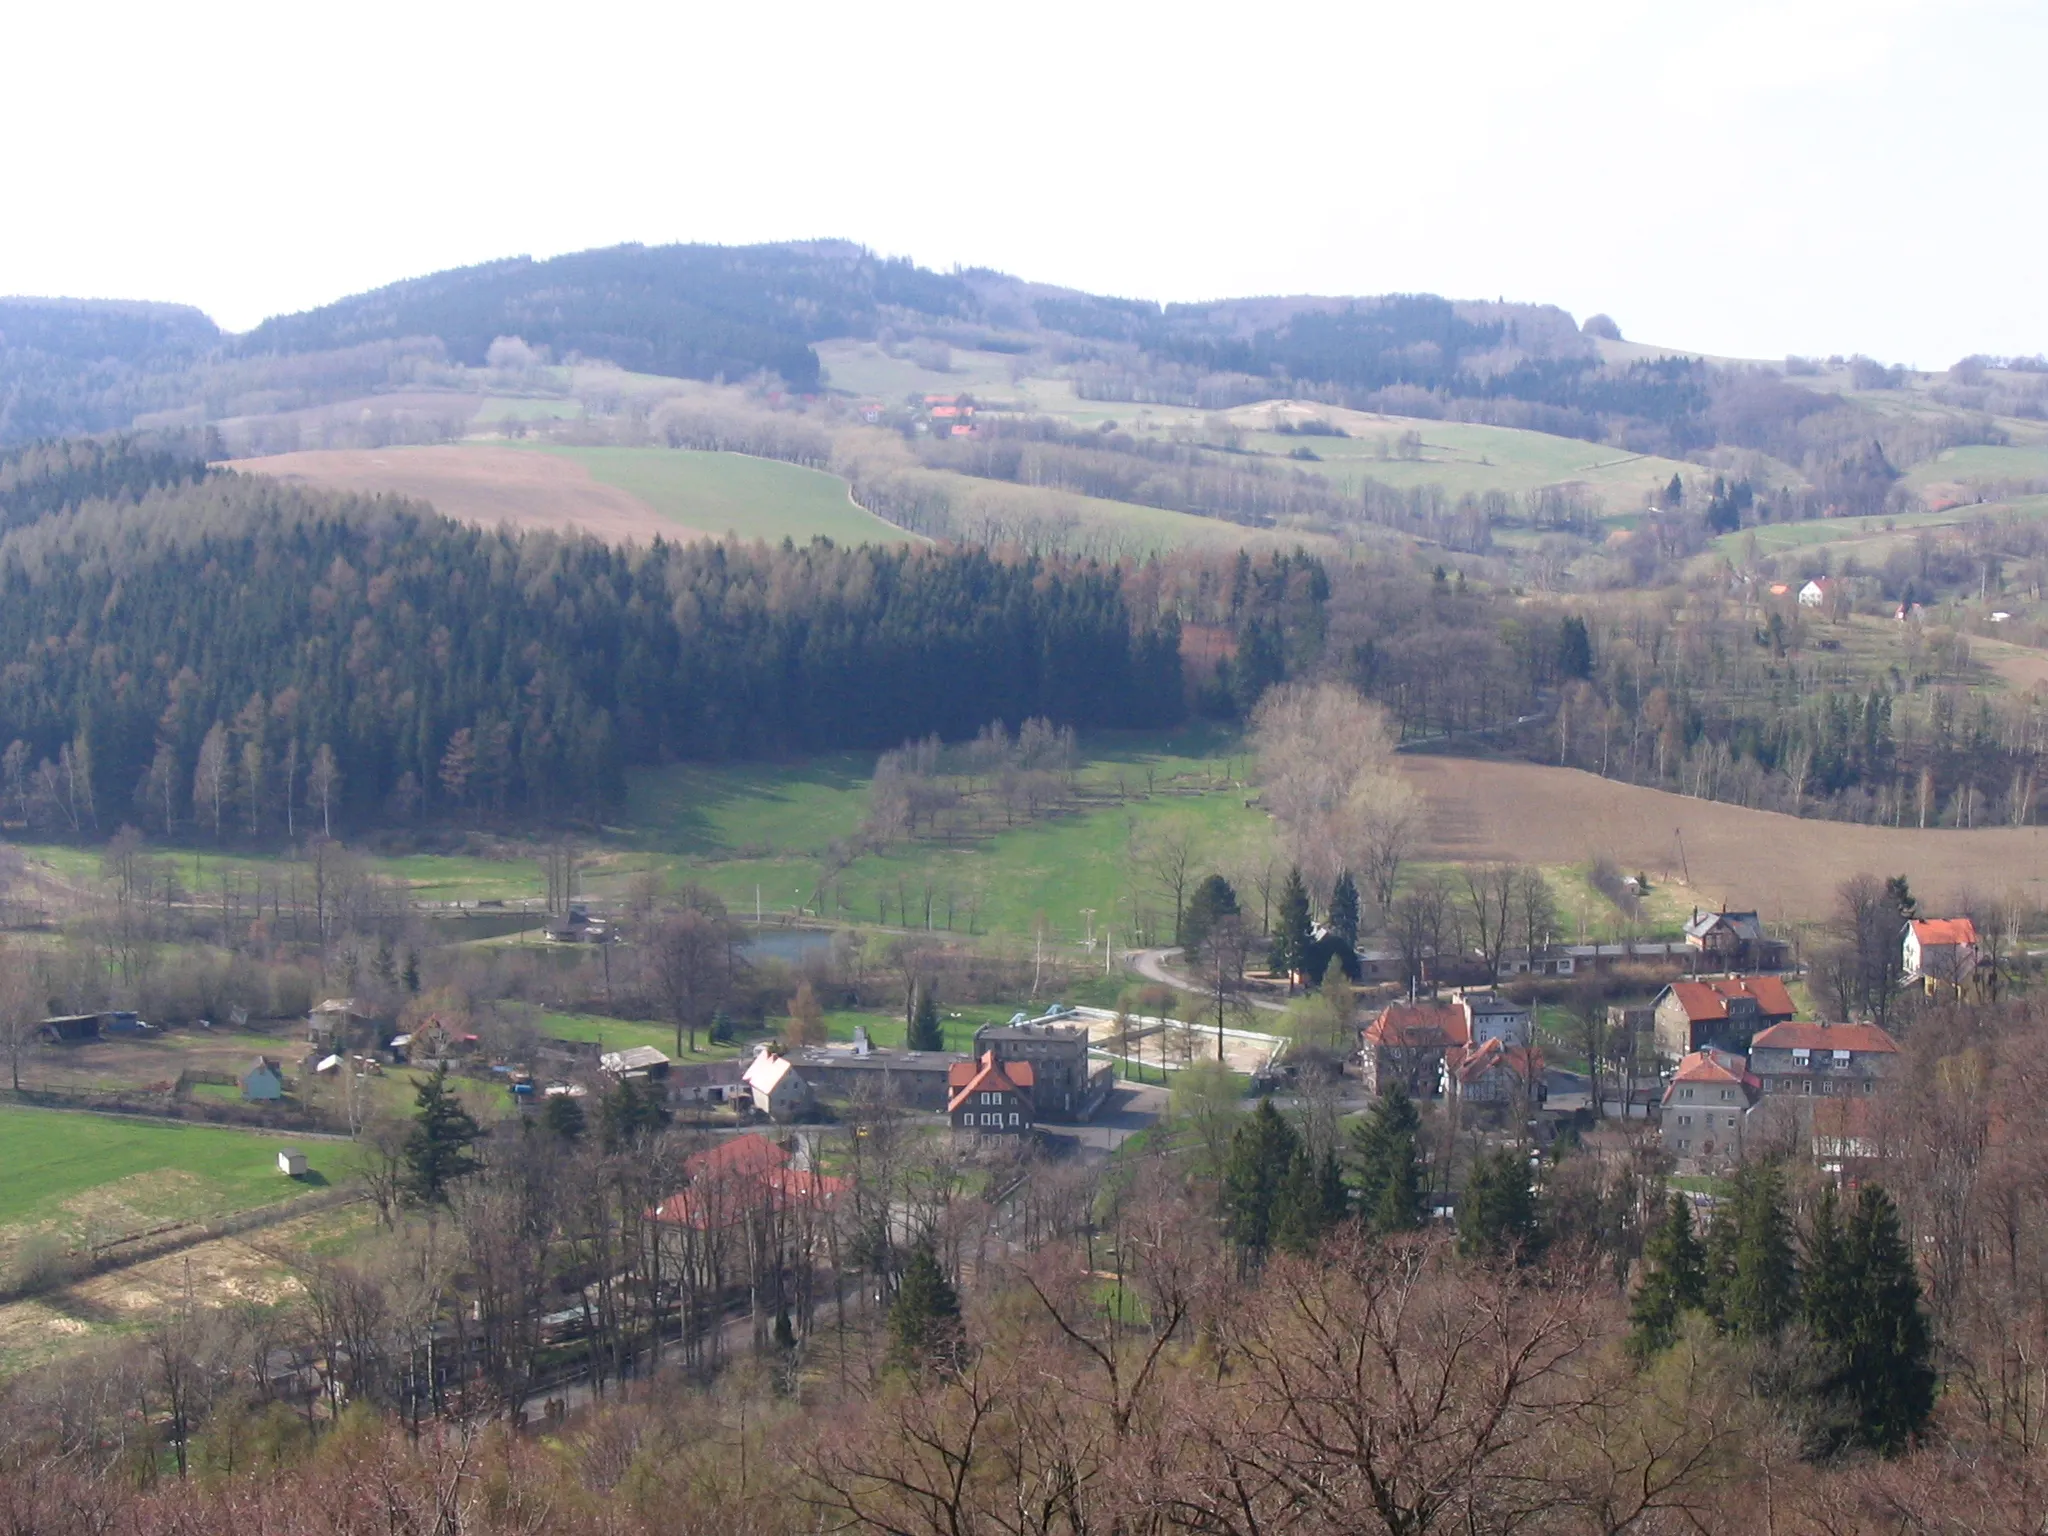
[[991, 1097], [1940, 952], [1724, 1012], [1734, 941]]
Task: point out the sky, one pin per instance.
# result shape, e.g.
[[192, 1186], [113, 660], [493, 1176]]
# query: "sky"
[[1748, 180]]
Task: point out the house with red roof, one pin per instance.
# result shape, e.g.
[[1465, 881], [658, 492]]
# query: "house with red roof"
[[743, 1177], [1718, 1011], [1940, 951], [1706, 1110], [990, 1096], [1494, 1072], [1823, 1060], [1405, 1043]]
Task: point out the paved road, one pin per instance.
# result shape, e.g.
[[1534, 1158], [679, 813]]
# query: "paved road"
[[1151, 964], [1131, 1107]]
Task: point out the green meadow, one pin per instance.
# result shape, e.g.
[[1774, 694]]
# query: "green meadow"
[[720, 493], [73, 1170]]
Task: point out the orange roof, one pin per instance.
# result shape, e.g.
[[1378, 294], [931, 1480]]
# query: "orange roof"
[[1723, 1069], [1704, 1000], [1824, 1037], [720, 1202], [1945, 930], [989, 1076], [1525, 1061], [751, 1153], [1422, 1025]]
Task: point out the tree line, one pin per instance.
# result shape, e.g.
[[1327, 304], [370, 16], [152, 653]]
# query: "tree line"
[[239, 657]]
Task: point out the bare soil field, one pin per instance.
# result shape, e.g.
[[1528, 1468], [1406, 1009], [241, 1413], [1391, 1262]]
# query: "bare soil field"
[[1784, 867], [482, 485], [224, 1272]]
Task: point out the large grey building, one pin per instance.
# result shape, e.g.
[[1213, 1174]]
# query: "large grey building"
[[1065, 1084]]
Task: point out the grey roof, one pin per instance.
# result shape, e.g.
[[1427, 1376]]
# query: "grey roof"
[[878, 1059], [1746, 926], [635, 1058]]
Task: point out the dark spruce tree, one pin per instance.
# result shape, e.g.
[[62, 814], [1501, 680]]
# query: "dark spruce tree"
[[1263, 1151], [925, 1032], [1753, 1272], [1863, 1306], [563, 1118], [1291, 932], [1344, 911], [631, 1113], [1675, 1281], [1386, 1164], [1213, 899], [440, 1147], [925, 1329], [1497, 1217]]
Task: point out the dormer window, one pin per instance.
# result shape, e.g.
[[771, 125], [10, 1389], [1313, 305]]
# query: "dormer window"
[[1802, 1055]]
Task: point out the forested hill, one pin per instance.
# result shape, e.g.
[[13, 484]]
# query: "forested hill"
[[691, 311], [195, 660], [70, 365]]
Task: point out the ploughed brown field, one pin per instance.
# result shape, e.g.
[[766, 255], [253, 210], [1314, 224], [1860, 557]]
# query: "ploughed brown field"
[[481, 485], [1785, 867]]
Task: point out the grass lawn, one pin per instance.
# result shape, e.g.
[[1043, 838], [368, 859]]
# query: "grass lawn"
[[70, 1169], [621, 1034], [758, 809], [729, 492], [1462, 457]]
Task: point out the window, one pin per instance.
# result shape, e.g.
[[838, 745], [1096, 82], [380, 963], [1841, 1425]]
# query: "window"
[[1726, 1095], [1013, 1119], [1801, 1055], [1841, 1058], [1685, 1093], [1806, 1085], [1683, 1144], [1685, 1119]]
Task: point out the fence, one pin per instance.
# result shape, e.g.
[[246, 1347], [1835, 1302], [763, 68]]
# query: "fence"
[[140, 1247]]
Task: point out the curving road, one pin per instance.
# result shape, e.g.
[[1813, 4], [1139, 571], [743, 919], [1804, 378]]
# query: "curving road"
[[1151, 964]]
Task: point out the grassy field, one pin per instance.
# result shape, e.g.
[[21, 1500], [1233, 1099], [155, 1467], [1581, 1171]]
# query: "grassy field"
[[72, 1171], [1870, 539], [1461, 457], [716, 493], [735, 829], [427, 876]]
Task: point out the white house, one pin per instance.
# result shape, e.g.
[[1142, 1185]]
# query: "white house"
[[1941, 949], [778, 1092], [1814, 593]]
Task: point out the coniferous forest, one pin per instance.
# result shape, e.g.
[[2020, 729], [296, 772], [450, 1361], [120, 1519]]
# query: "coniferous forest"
[[214, 656]]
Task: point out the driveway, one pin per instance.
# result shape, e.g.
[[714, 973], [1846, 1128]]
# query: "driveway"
[[1151, 964], [1130, 1108]]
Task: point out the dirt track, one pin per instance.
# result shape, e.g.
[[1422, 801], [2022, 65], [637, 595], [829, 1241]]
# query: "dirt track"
[[1786, 868], [482, 485]]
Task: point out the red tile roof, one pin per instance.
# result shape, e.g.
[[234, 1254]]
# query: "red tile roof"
[[988, 1076], [1420, 1025], [751, 1153], [1945, 930], [1824, 1037], [1525, 1061], [742, 1175], [1714, 1068], [1708, 1000]]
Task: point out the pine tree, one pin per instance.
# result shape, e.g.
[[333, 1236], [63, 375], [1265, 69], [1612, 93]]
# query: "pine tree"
[[1877, 1331], [1675, 1284], [924, 1321], [563, 1118], [1497, 1218], [1827, 1289], [1389, 1172], [631, 1112], [1291, 927], [411, 976], [1757, 1287], [1262, 1151], [1297, 1221], [925, 1033], [438, 1147], [1344, 913]]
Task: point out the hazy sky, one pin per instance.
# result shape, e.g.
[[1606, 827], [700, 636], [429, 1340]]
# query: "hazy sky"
[[1748, 179]]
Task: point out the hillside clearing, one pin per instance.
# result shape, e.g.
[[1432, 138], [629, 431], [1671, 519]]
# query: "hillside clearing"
[[1785, 867]]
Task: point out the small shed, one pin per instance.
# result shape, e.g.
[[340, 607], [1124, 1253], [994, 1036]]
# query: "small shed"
[[291, 1162], [264, 1081]]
